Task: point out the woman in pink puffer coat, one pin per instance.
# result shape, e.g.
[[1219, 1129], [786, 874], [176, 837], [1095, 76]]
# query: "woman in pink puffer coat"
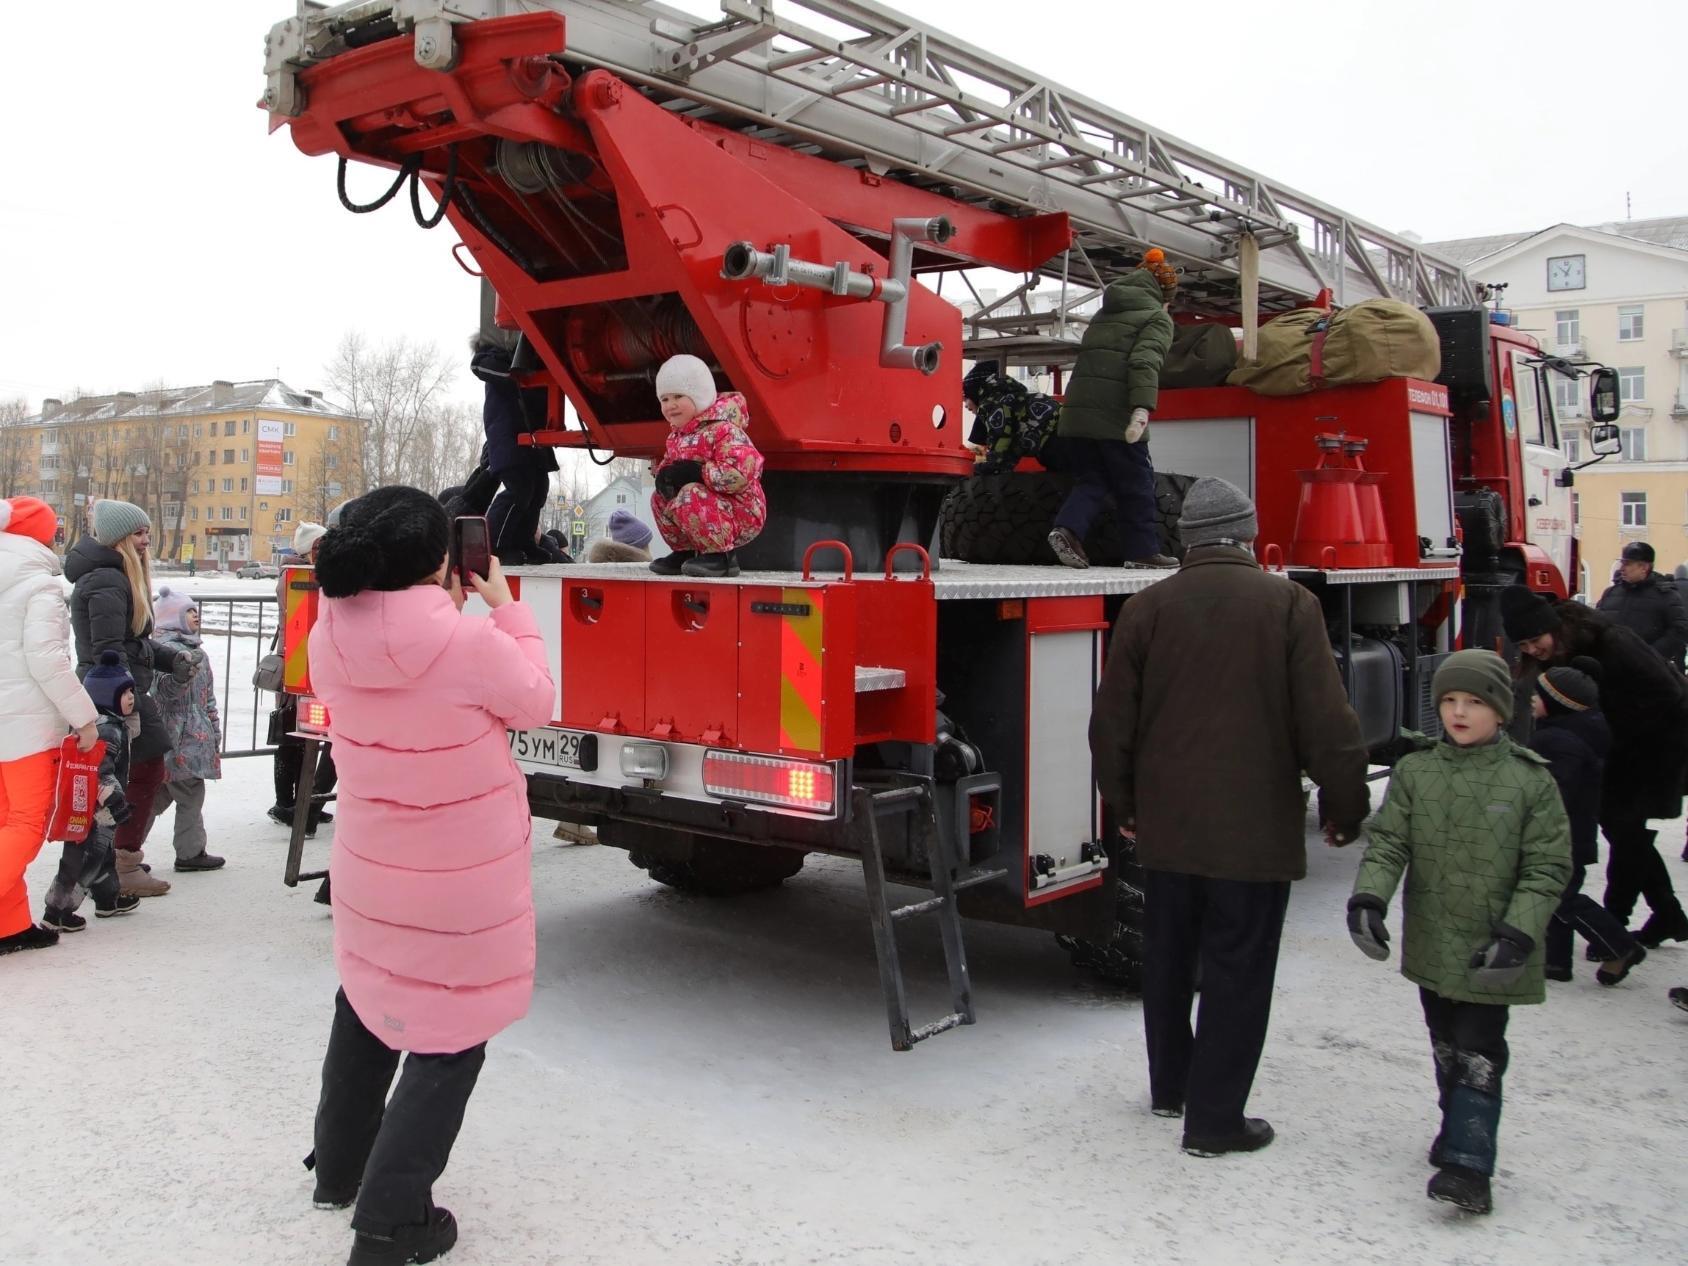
[[433, 906]]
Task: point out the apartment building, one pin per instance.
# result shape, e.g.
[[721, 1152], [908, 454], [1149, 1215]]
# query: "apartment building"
[[225, 470], [1615, 293]]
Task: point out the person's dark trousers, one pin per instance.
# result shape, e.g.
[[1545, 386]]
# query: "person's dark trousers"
[[88, 867], [1635, 869], [290, 768], [1468, 1043], [1111, 469], [145, 778], [1579, 912], [1232, 928], [397, 1149], [513, 520]]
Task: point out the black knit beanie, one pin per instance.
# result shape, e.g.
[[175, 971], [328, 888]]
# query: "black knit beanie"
[[1571, 689], [388, 539], [106, 681], [1526, 614]]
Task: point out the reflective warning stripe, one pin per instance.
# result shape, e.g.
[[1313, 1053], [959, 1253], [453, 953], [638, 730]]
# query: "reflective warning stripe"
[[800, 672], [295, 636]]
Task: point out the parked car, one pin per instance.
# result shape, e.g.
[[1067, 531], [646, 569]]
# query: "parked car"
[[258, 571]]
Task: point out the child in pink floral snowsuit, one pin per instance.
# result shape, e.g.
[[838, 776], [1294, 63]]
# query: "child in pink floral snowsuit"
[[709, 498]]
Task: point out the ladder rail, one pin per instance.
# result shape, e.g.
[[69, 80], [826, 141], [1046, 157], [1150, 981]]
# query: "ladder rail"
[[862, 83]]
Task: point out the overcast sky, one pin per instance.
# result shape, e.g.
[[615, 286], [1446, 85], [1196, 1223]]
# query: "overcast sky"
[[151, 230]]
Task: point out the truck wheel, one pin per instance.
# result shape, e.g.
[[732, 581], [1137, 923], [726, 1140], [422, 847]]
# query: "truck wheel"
[[719, 868], [1006, 518]]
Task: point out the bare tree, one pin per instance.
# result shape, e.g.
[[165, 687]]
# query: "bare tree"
[[399, 389], [332, 472], [16, 445]]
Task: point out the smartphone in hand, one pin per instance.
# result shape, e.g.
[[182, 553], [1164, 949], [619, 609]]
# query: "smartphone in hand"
[[471, 547]]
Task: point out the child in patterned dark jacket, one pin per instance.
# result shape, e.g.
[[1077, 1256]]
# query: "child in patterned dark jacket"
[[89, 867]]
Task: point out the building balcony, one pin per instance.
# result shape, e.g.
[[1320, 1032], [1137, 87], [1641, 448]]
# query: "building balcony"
[[1679, 406], [1679, 343], [1576, 349]]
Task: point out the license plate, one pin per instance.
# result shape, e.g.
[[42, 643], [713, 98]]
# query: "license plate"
[[565, 749]]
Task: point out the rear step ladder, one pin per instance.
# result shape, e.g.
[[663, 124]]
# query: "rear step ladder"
[[870, 807]]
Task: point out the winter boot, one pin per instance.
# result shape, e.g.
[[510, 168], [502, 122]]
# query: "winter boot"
[[122, 903], [1679, 998], [710, 566], [205, 861], [420, 1243], [1464, 1188], [62, 920], [1154, 562], [1662, 926], [1632, 959], [1255, 1134], [1068, 548], [672, 564], [133, 880], [32, 937]]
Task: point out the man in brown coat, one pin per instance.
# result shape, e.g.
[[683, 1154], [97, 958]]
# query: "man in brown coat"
[[1220, 690]]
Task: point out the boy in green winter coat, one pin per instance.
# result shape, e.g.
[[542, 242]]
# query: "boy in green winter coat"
[[1478, 826]]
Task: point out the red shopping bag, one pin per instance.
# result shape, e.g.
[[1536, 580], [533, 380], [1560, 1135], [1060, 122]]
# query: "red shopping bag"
[[76, 794]]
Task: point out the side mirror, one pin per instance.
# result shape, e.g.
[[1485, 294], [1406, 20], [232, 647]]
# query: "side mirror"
[[1605, 440], [1603, 396]]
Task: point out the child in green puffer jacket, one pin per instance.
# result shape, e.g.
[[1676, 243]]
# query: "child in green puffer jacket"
[[1478, 827]]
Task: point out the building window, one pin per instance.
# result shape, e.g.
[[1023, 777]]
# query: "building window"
[[198, 430], [1635, 443], [228, 485], [228, 427], [1632, 322], [287, 457], [333, 432], [243, 514], [284, 515], [193, 513], [212, 459], [1634, 509], [332, 461], [1567, 326], [196, 487], [1573, 447], [1632, 384], [245, 456], [228, 457], [228, 512], [245, 485], [289, 430], [1567, 398], [246, 426], [182, 431], [286, 486], [196, 457]]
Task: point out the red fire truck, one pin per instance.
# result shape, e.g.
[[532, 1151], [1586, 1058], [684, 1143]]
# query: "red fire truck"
[[787, 198]]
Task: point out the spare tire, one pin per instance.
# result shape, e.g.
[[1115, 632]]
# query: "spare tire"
[[1006, 518]]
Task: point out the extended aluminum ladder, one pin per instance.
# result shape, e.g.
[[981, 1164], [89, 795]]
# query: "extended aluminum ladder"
[[864, 85]]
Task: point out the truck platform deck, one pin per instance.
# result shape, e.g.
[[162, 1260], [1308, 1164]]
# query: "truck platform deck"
[[957, 581]]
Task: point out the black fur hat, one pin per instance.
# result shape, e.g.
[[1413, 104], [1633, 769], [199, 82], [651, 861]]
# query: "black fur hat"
[[1525, 614], [392, 538]]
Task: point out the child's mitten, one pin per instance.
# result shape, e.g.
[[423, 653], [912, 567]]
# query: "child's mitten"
[[1501, 963], [1365, 925], [676, 475]]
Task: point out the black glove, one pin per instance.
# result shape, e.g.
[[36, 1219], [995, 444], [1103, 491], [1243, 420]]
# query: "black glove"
[[676, 475], [1365, 925], [119, 808], [1501, 963]]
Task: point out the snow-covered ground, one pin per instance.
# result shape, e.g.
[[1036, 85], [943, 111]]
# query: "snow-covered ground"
[[710, 1082]]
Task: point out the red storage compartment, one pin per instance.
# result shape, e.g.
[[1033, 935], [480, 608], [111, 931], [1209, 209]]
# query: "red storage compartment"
[[691, 663], [604, 655]]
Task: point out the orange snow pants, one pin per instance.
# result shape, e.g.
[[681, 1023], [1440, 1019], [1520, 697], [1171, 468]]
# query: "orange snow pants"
[[26, 793]]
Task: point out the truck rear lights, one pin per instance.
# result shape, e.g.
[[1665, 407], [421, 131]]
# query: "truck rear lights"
[[789, 784], [313, 715]]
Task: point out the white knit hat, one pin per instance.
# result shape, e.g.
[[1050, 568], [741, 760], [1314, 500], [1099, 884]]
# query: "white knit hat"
[[305, 536], [686, 376]]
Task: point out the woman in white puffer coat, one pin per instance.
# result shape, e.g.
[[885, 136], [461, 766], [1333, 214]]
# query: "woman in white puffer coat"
[[40, 699]]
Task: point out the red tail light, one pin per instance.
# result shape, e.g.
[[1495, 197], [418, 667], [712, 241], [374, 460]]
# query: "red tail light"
[[313, 715], [790, 784]]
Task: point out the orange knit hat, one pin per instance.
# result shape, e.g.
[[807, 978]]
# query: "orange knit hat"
[[1154, 263], [26, 516]]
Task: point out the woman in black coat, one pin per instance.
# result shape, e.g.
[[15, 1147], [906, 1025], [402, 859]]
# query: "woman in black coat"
[[111, 610], [1646, 705]]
